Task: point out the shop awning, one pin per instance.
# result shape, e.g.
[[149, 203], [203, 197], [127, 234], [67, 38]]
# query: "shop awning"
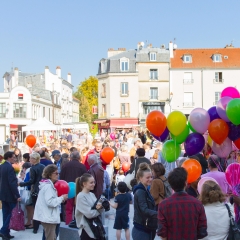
[[13, 127], [100, 121]]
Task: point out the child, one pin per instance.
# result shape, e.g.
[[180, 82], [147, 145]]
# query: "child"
[[120, 177], [133, 183], [121, 203]]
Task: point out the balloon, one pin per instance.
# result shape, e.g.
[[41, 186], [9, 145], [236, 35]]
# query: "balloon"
[[237, 143], [233, 111], [194, 143], [233, 174], [199, 119], [202, 181], [213, 113], [209, 141], [182, 136], [230, 92], [234, 131], [176, 122], [72, 190], [190, 127], [31, 140], [224, 149], [112, 136], [193, 168], [171, 151], [107, 155], [218, 130], [62, 187], [163, 137], [125, 166], [16, 168], [156, 122], [221, 108]]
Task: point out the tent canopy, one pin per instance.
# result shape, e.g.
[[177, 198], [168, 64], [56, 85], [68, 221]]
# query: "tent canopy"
[[40, 124]]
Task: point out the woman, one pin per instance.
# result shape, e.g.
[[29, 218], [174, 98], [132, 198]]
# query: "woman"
[[147, 147], [84, 204], [35, 176], [124, 156], [145, 216], [26, 157], [231, 158], [47, 209], [157, 189], [218, 221], [18, 155]]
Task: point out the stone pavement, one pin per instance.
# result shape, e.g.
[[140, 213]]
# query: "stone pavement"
[[109, 220]]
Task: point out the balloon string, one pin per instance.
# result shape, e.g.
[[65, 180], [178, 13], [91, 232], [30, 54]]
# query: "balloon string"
[[219, 165]]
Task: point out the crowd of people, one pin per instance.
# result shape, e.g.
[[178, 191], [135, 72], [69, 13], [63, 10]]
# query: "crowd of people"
[[164, 203]]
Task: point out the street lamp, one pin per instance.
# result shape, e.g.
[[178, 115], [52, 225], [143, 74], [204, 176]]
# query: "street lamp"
[[168, 100]]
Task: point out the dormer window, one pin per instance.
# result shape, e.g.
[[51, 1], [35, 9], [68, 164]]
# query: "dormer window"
[[217, 58], [124, 64], [187, 58], [153, 56], [103, 66]]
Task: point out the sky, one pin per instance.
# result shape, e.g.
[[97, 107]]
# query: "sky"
[[76, 34]]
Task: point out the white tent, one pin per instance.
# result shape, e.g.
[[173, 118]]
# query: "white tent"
[[40, 124]]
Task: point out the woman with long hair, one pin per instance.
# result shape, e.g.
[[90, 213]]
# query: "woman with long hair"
[[18, 155]]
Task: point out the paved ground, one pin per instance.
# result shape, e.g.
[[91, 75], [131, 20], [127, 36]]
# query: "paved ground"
[[109, 220]]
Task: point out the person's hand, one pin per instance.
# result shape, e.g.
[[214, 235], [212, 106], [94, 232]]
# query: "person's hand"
[[98, 206], [236, 200], [65, 197], [19, 199]]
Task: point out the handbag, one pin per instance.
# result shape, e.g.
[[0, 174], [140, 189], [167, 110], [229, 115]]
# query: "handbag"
[[234, 231], [17, 219], [25, 196], [129, 177]]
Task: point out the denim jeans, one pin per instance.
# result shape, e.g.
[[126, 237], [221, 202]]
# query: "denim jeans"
[[137, 234], [7, 208], [57, 232]]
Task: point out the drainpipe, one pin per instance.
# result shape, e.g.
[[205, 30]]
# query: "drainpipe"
[[202, 85]]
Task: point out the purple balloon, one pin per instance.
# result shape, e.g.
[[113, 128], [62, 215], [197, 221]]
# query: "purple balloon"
[[224, 149], [213, 113], [234, 131], [164, 135], [194, 144], [221, 108]]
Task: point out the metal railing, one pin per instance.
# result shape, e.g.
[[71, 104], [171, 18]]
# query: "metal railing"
[[188, 104], [124, 114], [218, 80], [188, 81], [153, 97], [124, 94]]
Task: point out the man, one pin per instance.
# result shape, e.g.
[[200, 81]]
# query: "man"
[[43, 159], [113, 147], [70, 171], [69, 137], [185, 213], [9, 194], [137, 144], [58, 160], [220, 177], [98, 173]]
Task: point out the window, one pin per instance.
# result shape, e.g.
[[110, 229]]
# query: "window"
[[124, 65], [103, 110], [150, 106], [187, 78], [153, 56], [19, 110], [103, 93], [43, 112], [153, 74], [188, 99], [103, 66], [217, 97], [154, 93], [2, 110], [124, 88], [187, 58], [217, 58], [125, 110], [218, 77]]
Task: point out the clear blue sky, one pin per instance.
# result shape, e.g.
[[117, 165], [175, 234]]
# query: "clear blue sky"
[[76, 34]]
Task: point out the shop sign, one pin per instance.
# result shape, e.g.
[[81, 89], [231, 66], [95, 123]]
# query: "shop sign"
[[107, 124]]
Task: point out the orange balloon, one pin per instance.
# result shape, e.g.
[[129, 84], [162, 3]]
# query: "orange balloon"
[[156, 123], [31, 140], [218, 130], [107, 155], [193, 168], [125, 166]]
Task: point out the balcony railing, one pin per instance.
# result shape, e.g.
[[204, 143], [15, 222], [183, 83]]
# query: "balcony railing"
[[125, 114], [124, 94], [218, 80], [188, 104], [103, 115], [103, 95], [153, 97], [188, 81], [153, 78]]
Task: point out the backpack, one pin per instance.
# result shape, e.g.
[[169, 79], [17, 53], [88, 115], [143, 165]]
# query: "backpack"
[[167, 189]]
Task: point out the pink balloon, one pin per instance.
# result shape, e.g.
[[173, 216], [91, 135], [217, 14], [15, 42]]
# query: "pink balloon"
[[224, 149], [200, 120], [233, 174], [112, 136], [221, 108], [202, 181], [230, 92]]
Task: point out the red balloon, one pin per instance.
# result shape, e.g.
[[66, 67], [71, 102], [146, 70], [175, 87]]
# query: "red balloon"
[[156, 123], [125, 166], [107, 155], [193, 168], [31, 140], [218, 131], [62, 187], [237, 143]]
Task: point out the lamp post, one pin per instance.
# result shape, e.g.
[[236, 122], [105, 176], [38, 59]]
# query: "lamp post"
[[168, 100]]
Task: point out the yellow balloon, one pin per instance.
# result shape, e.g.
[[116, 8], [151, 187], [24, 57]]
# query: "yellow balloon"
[[210, 141], [176, 122]]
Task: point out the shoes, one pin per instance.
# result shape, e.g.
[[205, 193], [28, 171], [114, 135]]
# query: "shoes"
[[4, 237], [28, 227], [9, 236], [35, 231]]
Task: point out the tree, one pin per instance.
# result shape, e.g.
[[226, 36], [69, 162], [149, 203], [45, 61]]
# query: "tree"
[[87, 94]]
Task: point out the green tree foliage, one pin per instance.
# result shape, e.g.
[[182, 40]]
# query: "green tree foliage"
[[87, 94]]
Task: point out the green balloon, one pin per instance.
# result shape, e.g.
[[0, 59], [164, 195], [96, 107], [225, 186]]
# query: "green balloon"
[[233, 111], [171, 151], [182, 136], [190, 127]]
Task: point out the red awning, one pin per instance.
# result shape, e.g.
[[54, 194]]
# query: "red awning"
[[13, 127], [123, 123], [100, 121]]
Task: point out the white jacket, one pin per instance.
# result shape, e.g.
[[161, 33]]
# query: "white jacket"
[[47, 208]]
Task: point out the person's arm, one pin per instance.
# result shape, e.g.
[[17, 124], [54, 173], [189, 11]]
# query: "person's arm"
[[202, 224], [13, 183], [132, 167], [51, 200], [113, 205], [32, 179], [162, 223], [62, 174]]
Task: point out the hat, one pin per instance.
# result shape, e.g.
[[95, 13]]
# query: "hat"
[[55, 152]]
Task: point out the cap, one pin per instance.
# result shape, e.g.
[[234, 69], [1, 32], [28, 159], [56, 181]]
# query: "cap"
[[55, 152]]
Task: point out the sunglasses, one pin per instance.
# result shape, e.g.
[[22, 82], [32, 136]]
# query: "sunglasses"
[[56, 173]]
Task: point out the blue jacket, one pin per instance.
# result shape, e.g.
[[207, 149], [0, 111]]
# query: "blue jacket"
[[8, 183]]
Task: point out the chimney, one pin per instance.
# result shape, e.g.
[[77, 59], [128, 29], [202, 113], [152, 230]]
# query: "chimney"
[[16, 74], [170, 46], [113, 52], [69, 78], [58, 71]]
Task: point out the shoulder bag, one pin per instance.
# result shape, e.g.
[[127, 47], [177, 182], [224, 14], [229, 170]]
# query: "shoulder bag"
[[129, 177]]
